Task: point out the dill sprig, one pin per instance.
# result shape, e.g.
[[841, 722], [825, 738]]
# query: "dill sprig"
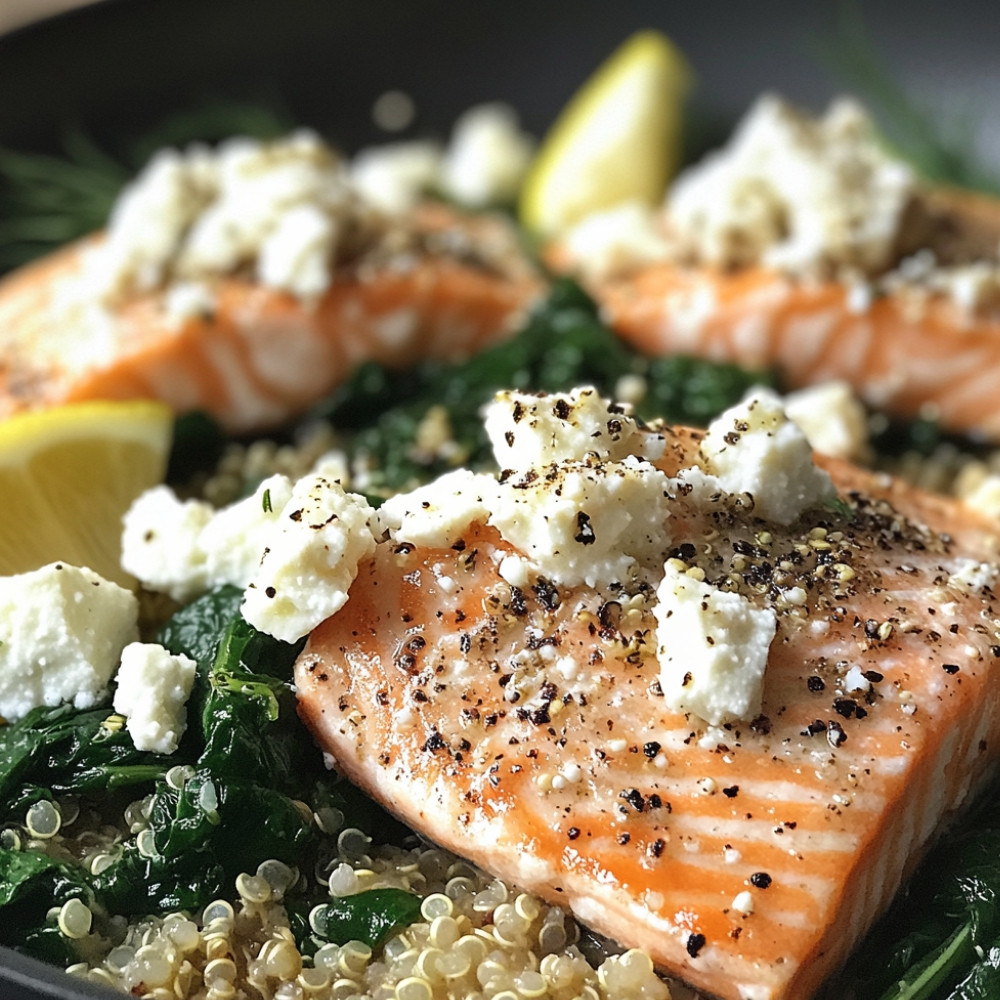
[[48, 200], [942, 151]]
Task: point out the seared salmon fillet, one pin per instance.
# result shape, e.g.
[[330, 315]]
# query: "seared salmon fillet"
[[906, 353], [802, 245], [527, 727], [256, 356]]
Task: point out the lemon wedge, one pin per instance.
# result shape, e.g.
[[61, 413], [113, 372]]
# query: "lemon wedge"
[[618, 139], [68, 474]]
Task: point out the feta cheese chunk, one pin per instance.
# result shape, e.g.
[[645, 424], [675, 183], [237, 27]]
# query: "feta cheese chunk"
[[153, 688], [610, 243], [533, 430], [438, 513], [486, 156], [279, 207], [712, 647], [813, 195], [395, 176], [586, 522], [63, 631], [185, 548], [832, 418], [754, 448], [310, 558]]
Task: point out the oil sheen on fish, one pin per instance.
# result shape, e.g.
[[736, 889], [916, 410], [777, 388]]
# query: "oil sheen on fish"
[[526, 727]]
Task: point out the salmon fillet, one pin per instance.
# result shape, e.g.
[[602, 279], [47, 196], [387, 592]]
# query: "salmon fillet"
[[526, 728], [259, 356], [910, 350]]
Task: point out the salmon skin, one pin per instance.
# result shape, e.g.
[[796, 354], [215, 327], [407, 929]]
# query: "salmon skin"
[[442, 285], [526, 729], [909, 349]]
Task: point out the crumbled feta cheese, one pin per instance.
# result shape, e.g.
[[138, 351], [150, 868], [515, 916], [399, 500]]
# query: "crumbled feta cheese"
[[311, 557], [855, 680], [188, 300], [795, 192], [278, 206], [185, 548], [64, 628], [296, 255], [586, 522], [486, 156], [533, 430], [238, 535], [972, 576], [712, 646], [973, 287], [153, 688], [394, 177], [438, 513], [607, 244], [160, 543], [983, 494], [150, 218], [832, 418], [754, 448], [743, 903]]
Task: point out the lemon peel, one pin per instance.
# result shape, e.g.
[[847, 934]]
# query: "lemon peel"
[[617, 140], [67, 476]]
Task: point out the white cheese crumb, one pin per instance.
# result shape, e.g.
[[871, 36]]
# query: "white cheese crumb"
[[187, 300], [277, 206], [587, 522], [310, 560], [295, 256], [855, 680], [712, 647], [533, 430], [395, 176], [984, 495], [832, 418], [743, 903], [153, 688], [185, 548], [438, 513], [610, 243], [973, 576], [63, 633], [754, 448], [486, 157], [791, 191]]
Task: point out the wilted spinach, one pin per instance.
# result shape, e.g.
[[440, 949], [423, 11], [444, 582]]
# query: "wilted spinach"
[[250, 764], [563, 344]]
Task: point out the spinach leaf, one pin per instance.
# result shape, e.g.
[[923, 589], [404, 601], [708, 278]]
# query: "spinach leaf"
[[983, 982], [369, 916], [248, 720], [136, 885], [195, 630], [30, 885], [936, 935], [65, 749]]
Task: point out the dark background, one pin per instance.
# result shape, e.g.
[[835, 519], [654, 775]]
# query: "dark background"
[[119, 66]]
